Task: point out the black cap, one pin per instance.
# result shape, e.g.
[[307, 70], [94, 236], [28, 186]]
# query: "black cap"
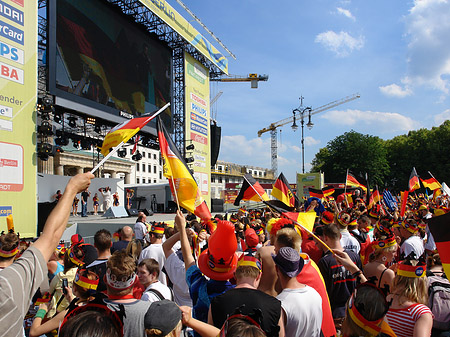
[[162, 315]]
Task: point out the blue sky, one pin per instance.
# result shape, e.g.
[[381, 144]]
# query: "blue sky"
[[395, 54]]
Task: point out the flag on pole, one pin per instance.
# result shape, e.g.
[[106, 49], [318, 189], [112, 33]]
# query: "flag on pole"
[[440, 229], [430, 182], [174, 167], [283, 192], [353, 181], [306, 219], [404, 200], [316, 193], [124, 131], [136, 141], [375, 197], [251, 190], [413, 183], [327, 191]]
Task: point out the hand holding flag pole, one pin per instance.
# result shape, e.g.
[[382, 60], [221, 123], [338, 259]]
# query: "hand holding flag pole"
[[125, 137], [297, 223]]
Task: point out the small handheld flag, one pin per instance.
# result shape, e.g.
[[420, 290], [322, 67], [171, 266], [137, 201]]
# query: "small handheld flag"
[[251, 190], [413, 183]]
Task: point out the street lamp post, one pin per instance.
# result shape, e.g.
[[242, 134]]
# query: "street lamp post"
[[294, 126]]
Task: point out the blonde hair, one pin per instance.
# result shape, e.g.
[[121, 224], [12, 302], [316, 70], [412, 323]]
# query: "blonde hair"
[[412, 289], [288, 237], [246, 271], [158, 333]]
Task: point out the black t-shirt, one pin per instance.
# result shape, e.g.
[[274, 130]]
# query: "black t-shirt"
[[100, 269], [339, 281], [119, 245], [85, 196], [225, 304]]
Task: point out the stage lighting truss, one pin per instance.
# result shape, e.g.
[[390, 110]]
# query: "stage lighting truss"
[[44, 151], [86, 144], [189, 160], [45, 128], [122, 153], [137, 156], [72, 121]]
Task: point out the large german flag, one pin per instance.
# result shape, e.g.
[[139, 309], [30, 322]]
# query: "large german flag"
[[430, 182], [283, 192], [353, 181], [413, 183], [251, 190], [182, 183], [440, 229]]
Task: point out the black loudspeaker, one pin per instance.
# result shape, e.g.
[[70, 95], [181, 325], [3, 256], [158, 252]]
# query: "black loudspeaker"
[[132, 212], [147, 211], [44, 210], [216, 132], [216, 205], [115, 212]]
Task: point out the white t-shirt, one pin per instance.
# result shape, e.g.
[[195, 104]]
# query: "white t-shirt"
[[177, 274], [140, 230], [152, 297], [303, 309], [155, 251], [412, 244], [349, 242]]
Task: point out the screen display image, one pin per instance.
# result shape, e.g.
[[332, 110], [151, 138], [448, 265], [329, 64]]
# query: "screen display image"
[[104, 59]]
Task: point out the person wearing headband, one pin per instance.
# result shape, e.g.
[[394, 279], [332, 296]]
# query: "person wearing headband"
[[8, 249], [120, 280], [155, 250], [84, 287], [408, 314], [409, 232], [384, 251]]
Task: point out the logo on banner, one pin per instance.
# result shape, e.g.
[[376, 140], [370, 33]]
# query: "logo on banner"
[[198, 100], [198, 119], [5, 210], [11, 33], [199, 129], [11, 73], [199, 139], [19, 2], [11, 13], [198, 109], [11, 53]]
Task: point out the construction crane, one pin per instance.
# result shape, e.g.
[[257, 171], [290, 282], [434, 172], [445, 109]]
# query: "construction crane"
[[298, 114], [253, 78]]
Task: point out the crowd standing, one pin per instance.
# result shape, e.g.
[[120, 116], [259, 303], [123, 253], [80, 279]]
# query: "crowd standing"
[[366, 271]]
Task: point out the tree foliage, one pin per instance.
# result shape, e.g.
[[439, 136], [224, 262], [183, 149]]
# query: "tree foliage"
[[387, 163]]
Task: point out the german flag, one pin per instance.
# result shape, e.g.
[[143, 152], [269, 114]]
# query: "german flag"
[[374, 198], [413, 183], [251, 190], [430, 182], [352, 181], [180, 178], [327, 191], [440, 229], [316, 193], [283, 192]]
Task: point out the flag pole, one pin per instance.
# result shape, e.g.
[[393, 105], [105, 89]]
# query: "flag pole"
[[345, 189], [113, 151], [299, 224], [175, 192]]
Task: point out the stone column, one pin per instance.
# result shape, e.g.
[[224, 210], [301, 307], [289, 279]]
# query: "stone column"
[[127, 178], [113, 174], [59, 170], [79, 169]]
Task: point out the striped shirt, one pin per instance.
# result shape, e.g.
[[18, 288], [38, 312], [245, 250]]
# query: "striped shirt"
[[18, 283], [402, 321]]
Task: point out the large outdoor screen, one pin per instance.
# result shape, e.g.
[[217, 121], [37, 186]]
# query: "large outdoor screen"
[[102, 59]]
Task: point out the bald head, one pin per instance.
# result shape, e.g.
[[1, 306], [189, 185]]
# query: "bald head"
[[127, 233]]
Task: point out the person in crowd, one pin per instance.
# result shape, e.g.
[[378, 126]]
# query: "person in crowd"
[[84, 202], [20, 280], [116, 199], [56, 263], [302, 305], [218, 262], [126, 235], [408, 314], [140, 227], [247, 298], [155, 250], [412, 242], [9, 243], [75, 240], [121, 278], [95, 200], [163, 319], [343, 220], [103, 243], [129, 195], [82, 290], [148, 273], [134, 249], [75, 206], [385, 250], [434, 266], [57, 196], [339, 282]]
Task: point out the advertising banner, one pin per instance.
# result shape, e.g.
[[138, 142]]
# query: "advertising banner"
[[307, 180], [179, 24], [197, 131], [18, 87]]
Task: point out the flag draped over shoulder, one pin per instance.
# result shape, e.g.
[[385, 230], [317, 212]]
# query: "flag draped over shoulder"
[[413, 183], [180, 178], [430, 182], [251, 190], [283, 192], [440, 229], [354, 181]]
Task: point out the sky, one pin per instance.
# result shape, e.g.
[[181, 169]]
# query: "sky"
[[394, 54]]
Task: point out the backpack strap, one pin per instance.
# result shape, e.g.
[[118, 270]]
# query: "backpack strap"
[[157, 294]]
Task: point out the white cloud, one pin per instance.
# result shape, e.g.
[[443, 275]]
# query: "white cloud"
[[311, 141], [427, 28], [342, 43], [390, 121], [346, 13], [395, 90], [442, 117]]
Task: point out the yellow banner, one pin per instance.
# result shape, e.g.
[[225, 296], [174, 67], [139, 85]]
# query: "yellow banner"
[[307, 180], [197, 130], [179, 24], [18, 87]]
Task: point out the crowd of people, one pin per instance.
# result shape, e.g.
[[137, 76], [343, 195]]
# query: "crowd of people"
[[366, 271]]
